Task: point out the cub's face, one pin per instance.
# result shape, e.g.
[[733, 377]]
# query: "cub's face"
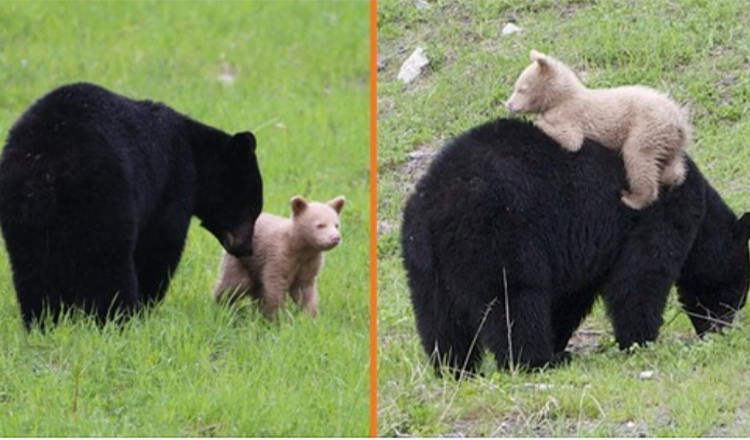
[[318, 224], [541, 85], [529, 87]]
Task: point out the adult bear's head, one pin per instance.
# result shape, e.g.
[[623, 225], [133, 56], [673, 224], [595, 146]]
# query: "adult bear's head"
[[230, 194], [715, 279]]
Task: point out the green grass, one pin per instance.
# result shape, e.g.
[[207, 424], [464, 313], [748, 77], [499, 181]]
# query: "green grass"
[[191, 367], [694, 49]]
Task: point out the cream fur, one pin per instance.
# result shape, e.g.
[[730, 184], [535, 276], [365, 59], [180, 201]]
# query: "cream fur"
[[650, 129], [287, 257]]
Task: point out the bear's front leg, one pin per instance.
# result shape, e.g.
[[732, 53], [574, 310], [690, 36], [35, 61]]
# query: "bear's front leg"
[[636, 295], [568, 136], [310, 298]]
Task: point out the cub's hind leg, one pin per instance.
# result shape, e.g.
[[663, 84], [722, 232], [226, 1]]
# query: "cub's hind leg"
[[674, 171], [641, 159], [234, 280]]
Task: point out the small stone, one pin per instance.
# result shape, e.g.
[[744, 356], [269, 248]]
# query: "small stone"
[[413, 66], [646, 375], [381, 63], [227, 74], [510, 28], [416, 155], [538, 386]]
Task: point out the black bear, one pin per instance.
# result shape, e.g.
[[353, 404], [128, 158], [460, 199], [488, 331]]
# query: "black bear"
[[96, 195], [505, 220]]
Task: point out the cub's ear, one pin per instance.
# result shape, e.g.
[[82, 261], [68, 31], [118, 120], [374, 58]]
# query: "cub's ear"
[[536, 55], [298, 205], [242, 141], [541, 59], [337, 204], [742, 228]]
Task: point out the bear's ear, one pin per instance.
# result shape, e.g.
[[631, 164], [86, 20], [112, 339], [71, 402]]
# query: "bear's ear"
[[242, 142], [298, 205], [541, 59], [742, 228], [337, 204]]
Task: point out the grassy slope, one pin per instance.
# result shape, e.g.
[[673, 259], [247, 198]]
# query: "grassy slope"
[[696, 50], [191, 367]]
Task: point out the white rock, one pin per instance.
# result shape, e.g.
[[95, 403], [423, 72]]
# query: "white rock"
[[413, 66], [422, 5], [538, 386], [416, 155], [510, 28], [227, 78], [645, 375]]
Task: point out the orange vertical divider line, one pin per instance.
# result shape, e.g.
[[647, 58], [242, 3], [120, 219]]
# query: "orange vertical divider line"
[[373, 218]]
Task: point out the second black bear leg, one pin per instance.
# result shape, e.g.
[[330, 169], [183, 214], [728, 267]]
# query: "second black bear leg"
[[156, 258], [119, 294], [568, 313], [636, 305], [521, 333]]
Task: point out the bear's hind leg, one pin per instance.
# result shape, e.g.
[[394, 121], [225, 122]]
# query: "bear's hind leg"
[[452, 344], [522, 337], [448, 336], [64, 265]]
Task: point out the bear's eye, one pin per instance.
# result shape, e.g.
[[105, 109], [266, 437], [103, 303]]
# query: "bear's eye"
[[337, 225], [522, 89], [320, 225]]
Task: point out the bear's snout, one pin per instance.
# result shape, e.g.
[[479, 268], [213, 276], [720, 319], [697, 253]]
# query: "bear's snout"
[[238, 248], [513, 108]]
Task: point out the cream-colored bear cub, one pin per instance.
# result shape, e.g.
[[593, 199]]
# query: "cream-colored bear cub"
[[287, 257], [650, 129]]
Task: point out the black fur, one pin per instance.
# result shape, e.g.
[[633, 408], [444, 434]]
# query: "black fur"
[[504, 210], [96, 194]]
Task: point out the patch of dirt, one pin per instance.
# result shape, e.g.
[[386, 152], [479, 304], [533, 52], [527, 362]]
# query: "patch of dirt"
[[585, 340], [418, 160], [384, 227]]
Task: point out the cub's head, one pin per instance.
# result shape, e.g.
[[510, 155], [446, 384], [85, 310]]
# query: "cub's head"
[[317, 224], [713, 297], [231, 194], [542, 85]]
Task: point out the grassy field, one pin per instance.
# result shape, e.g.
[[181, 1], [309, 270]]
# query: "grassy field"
[[295, 73], [694, 49]]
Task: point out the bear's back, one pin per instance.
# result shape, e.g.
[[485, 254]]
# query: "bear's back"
[[81, 137], [76, 115], [506, 195]]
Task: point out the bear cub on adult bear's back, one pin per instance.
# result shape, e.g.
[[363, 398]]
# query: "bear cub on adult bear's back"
[[287, 257], [96, 194], [650, 129]]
